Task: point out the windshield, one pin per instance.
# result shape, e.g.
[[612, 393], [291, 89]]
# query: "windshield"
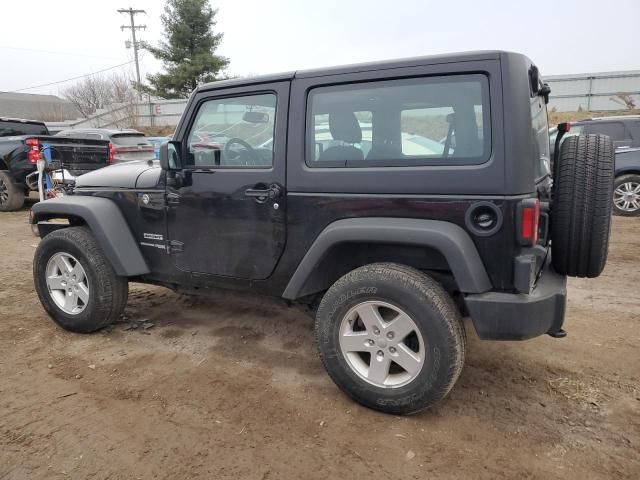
[[12, 129]]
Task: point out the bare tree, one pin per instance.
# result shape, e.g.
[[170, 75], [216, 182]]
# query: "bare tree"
[[625, 99], [122, 90], [97, 92]]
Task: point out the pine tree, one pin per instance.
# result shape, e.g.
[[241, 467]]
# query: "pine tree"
[[188, 51]]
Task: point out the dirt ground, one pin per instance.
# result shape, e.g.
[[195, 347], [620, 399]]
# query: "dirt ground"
[[231, 387]]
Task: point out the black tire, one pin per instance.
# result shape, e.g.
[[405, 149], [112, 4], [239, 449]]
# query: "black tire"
[[108, 292], [433, 312], [11, 195], [582, 202], [622, 185]]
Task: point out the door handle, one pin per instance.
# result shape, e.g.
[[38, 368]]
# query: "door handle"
[[262, 194], [257, 192]]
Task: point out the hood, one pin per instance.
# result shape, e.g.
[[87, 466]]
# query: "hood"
[[139, 174]]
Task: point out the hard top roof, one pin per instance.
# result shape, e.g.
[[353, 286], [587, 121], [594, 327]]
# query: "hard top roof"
[[359, 67]]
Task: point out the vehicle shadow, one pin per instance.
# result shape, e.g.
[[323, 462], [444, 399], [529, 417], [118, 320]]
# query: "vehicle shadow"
[[498, 381]]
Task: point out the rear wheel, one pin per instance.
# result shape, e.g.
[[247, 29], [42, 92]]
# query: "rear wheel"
[[391, 338], [626, 195], [11, 195], [75, 282], [582, 203]]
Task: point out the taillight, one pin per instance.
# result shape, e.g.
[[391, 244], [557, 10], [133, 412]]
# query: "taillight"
[[112, 153], [529, 213], [33, 153], [564, 127]]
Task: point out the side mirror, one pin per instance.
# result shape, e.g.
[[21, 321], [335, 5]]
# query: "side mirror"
[[164, 156], [169, 157]]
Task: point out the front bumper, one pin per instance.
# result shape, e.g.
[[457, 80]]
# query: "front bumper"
[[519, 316]]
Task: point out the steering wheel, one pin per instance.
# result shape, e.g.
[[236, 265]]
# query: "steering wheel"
[[252, 153]]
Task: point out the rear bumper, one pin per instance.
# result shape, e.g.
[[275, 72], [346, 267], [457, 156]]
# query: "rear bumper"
[[518, 316]]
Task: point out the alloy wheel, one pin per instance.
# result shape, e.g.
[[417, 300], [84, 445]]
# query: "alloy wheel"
[[382, 344], [67, 283], [626, 197]]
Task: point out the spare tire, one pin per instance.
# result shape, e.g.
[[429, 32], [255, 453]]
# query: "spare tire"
[[582, 202]]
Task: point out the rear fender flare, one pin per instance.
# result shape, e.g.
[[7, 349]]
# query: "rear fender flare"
[[449, 239]]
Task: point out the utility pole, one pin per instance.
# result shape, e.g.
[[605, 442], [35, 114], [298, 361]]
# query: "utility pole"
[[132, 13]]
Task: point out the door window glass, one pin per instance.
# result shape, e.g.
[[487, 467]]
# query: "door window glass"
[[235, 132]]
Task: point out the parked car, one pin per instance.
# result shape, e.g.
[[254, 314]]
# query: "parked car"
[[156, 142], [124, 145], [625, 134], [22, 143], [626, 192], [389, 248], [623, 130]]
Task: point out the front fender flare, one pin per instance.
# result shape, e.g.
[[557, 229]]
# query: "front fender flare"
[[449, 239], [107, 224]]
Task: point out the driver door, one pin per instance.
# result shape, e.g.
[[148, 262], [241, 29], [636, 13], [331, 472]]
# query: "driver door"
[[226, 210]]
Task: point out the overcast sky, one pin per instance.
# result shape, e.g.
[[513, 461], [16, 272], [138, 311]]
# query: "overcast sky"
[[45, 41]]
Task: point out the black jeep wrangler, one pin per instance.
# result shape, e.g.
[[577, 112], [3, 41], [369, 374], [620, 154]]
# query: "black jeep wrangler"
[[394, 198]]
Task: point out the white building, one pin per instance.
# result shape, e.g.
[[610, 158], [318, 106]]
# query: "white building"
[[594, 91]]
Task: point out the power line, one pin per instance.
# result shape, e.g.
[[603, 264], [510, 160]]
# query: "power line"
[[73, 78], [132, 13]]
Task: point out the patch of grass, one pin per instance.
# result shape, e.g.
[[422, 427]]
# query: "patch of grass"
[[559, 117], [157, 131], [576, 390]]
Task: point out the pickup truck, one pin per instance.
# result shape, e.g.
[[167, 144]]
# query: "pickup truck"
[[24, 142]]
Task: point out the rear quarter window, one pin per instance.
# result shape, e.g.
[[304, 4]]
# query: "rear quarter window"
[[402, 122]]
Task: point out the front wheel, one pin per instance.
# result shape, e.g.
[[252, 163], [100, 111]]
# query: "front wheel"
[[626, 195], [75, 281], [391, 338]]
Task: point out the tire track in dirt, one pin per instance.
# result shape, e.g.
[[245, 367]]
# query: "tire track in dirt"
[[231, 387]]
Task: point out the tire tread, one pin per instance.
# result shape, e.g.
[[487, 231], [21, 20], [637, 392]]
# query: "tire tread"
[[111, 291], [583, 197], [431, 291]]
